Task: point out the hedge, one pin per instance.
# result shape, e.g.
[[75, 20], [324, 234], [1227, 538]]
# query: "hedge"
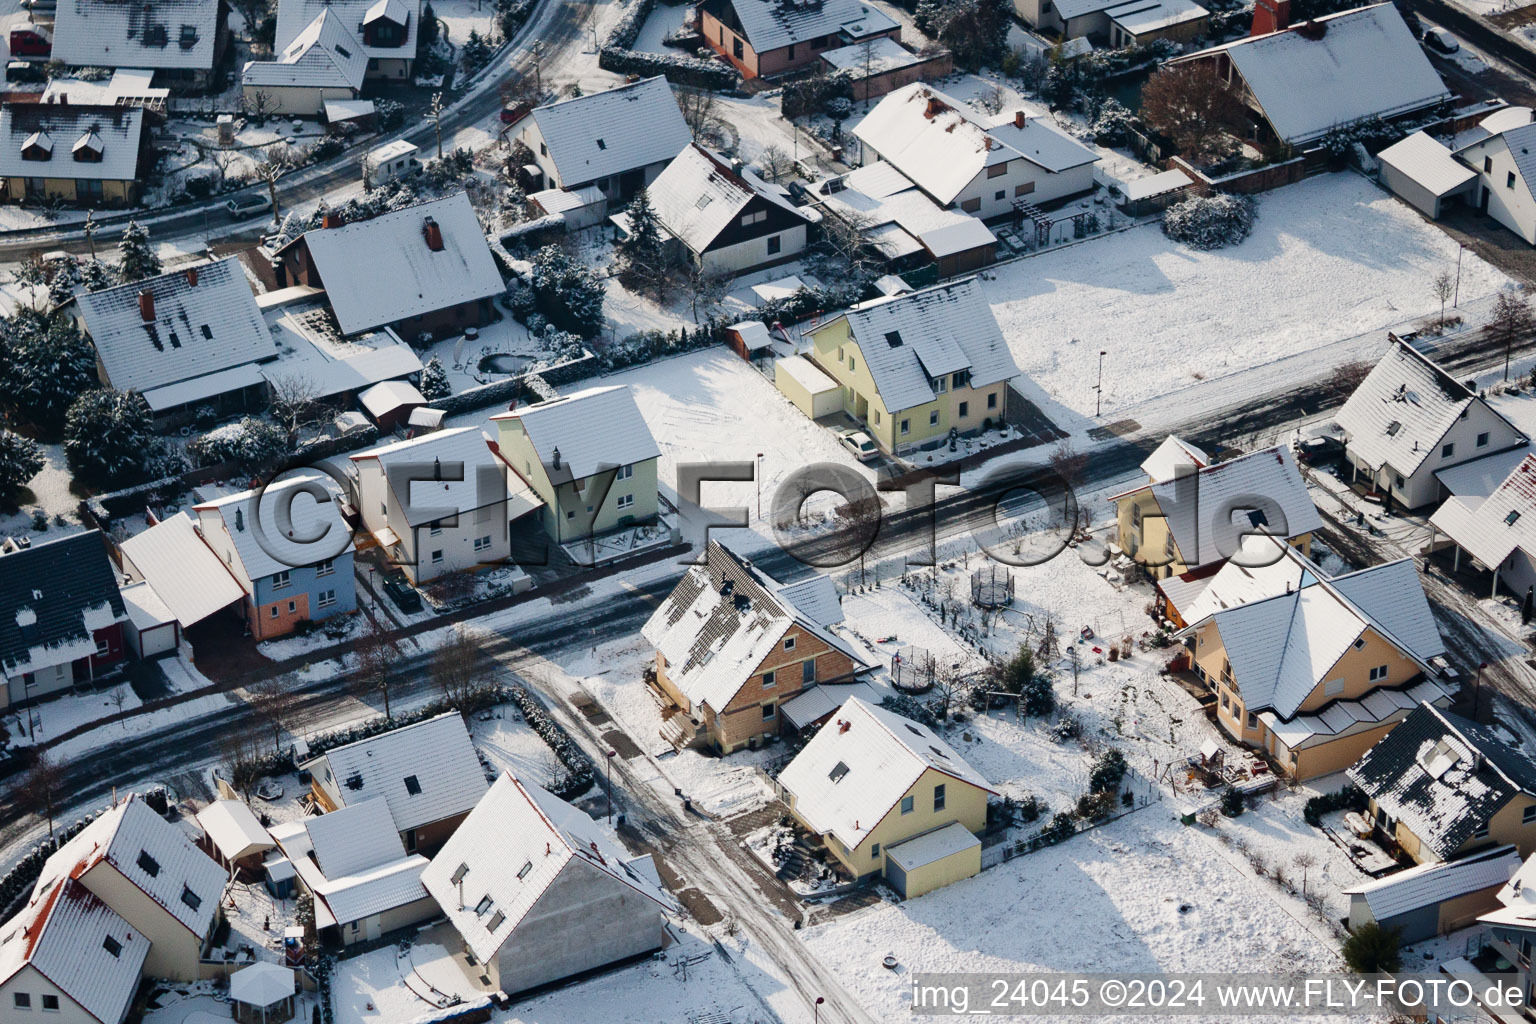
[[703, 74], [19, 881]]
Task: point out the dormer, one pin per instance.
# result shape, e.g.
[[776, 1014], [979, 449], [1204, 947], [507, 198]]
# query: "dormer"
[[39, 146], [89, 148]]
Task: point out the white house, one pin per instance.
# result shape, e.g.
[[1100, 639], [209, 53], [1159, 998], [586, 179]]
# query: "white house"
[[1499, 531], [962, 159], [1410, 419], [1499, 151], [387, 29], [323, 62]]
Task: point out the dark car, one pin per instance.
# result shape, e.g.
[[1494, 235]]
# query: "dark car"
[[401, 592], [1320, 451]]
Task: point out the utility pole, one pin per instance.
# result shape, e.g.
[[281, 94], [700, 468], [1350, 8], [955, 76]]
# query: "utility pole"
[[90, 233], [1098, 389], [1459, 250], [757, 476]]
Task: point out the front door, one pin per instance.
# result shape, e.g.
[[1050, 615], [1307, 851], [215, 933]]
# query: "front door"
[[1482, 204]]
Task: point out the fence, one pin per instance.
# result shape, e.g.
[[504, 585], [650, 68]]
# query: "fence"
[[913, 670]]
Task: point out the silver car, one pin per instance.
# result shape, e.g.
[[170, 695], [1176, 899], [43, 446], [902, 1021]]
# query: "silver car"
[[859, 444]]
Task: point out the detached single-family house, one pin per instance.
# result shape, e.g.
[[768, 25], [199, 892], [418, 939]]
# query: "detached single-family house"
[[912, 368], [440, 503], [423, 270], [181, 41], [1499, 531], [889, 797], [979, 165], [538, 892], [364, 883], [1190, 516], [589, 458], [1442, 786], [1499, 153], [732, 645], [618, 140], [183, 572], [1436, 898], [1300, 82], [91, 155], [63, 617], [1309, 668], [1409, 419], [770, 37], [387, 29], [324, 62], [1119, 23], [235, 837], [153, 877], [1512, 926], [289, 550], [904, 225], [427, 775], [184, 340], [727, 220]]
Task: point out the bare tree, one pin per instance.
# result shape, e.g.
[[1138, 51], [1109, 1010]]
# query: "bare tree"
[[42, 782], [240, 755], [259, 104], [776, 163], [295, 402], [1191, 105], [377, 653], [224, 158], [698, 106], [459, 666], [843, 236], [992, 98], [118, 696], [949, 686], [253, 13], [1511, 319], [705, 291], [272, 166], [1348, 376], [273, 702], [1443, 285], [1304, 860], [367, 164], [435, 112]]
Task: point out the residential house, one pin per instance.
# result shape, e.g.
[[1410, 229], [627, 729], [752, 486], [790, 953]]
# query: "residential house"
[[904, 225], [1409, 419], [589, 458], [876, 66], [727, 220], [351, 862], [1300, 82], [978, 165], [427, 774], [235, 837], [1498, 152], [440, 503], [153, 877], [1512, 927], [1442, 786], [181, 41], [1312, 669], [388, 30], [324, 62], [183, 572], [889, 797], [425, 270], [1436, 898], [618, 140], [91, 155], [185, 340], [338, 368], [762, 38], [538, 892], [1499, 531], [733, 645], [63, 619], [1118, 23], [916, 367], [289, 550], [1190, 515]]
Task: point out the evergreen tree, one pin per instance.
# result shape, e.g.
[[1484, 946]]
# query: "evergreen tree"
[[476, 52], [434, 382], [21, 459], [1372, 949], [95, 275], [642, 254], [138, 255], [568, 295], [109, 437], [49, 362]]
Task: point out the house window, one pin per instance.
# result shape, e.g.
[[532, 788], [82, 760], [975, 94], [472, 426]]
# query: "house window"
[[1024, 189], [1378, 673], [997, 170], [325, 568], [436, 527], [1481, 833], [485, 904], [327, 598], [1398, 482], [543, 149], [1225, 705], [874, 850], [971, 205], [767, 712], [906, 805], [789, 643], [965, 409], [775, 245], [768, 678], [736, 48], [102, 646], [808, 671], [50, 1004], [22, 1000], [790, 54], [281, 579], [437, 557], [933, 418], [1253, 720], [1528, 815], [483, 543], [1360, 643], [191, 898], [625, 501], [148, 864], [852, 364], [938, 797], [748, 219], [1482, 439], [275, 612], [1447, 450], [1509, 180], [383, 509], [112, 946], [940, 385], [1000, 195], [1487, 165], [906, 426], [625, 472], [293, 606]]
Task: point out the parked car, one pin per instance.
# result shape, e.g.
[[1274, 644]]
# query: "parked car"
[[248, 205], [859, 443], [1319, 451], [401, 592], [25, 71], [29, 40], [40, 5], [514, 114], [1440, 40]]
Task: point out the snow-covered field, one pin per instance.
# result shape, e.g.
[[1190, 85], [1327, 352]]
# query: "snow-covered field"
[[1329, 258]]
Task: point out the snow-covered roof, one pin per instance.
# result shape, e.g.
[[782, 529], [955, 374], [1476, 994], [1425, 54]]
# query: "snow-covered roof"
[[261, 984], [560, 200], [53, 597], [1443, 776], [281, 526], [383, 270], [233, 829], [942, 144], [1429, 885], [1352, 717], [932, 847], [754, 334], [326, 55], [591, 429], [725, 617], [294, 16], [805, 373], [184, 572], [899, 218], [172, 35], [1473, 481], [383, 399], [424, 772], [509, 851], [606, 133], [347, 110], [355, 838], [852, 773], [1139, 17], [699, 195], [1172, 456], [1155, 185], [146, 610], [314, 350], [352, 859], [875, 57], [819, 701], [774, 24], [151, 853], [1402, 409], [908, 340], [1425, 161], [1517, 899], [463, 452], [30, 130], [1498, 525], [66, 934], [1365, 63], [1501, 120], [176, 327], [124, 85]]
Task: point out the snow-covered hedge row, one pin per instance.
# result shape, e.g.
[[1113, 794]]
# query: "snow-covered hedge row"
[[20, 879], [247, 443], [679, 70], [579, 772], [1209, 222], [627, 29]]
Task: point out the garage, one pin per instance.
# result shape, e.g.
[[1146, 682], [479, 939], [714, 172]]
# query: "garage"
[[1434, 899], [804, 384], [932, 860], [1423, 173], [152, 629]]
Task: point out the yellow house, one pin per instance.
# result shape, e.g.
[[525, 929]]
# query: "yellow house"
[[1441, 786], [589, 457], [1310, 668], [92, 155], [1191, 515], [915, 367], [889, 797]]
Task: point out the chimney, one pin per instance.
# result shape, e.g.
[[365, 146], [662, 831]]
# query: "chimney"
[[147, 306], [1019, 116], [557, 458], [1270, 16], [844, 726], [934, 108], [191, 277], [433, 234], [331, 219], [437, 468]]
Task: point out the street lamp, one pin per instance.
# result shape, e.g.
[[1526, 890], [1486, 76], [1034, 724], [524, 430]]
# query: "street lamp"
[[816, 1009], [1098, 389], [757, 478], [610, 785]]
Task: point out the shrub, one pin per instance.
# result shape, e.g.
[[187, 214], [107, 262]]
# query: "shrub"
[[1348, 798], [1061, 828], [1372, 949], [679, 70], [910, 707], [1232, 802], [247, 444], [1209, 222], [1091, 806], [1107, 771]]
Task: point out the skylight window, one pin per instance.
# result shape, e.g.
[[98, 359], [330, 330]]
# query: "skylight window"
[[148, 864], [838, 771], [522, 872], [459, 873], [412, 785], [496, 921], [601, 144], [112, 946], [207, 332], [1393, 428], [191, 898], [703, 201], [893, 338], [939, 752], [1514, 515], [914, 730], [485, 904]]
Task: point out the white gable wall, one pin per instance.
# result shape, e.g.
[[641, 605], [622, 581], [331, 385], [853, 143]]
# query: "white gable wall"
[[1041, 186], [1513, 207], [1422, 488], [753, 253], [32, 981]]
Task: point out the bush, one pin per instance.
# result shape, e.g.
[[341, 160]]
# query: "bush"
[[1091, 806], [1209, 222], [1061, 828], [1232, 802], [704, 74], [1372, 949], [1349, 798], [1107, 772], [910, 707], [247, 444]]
